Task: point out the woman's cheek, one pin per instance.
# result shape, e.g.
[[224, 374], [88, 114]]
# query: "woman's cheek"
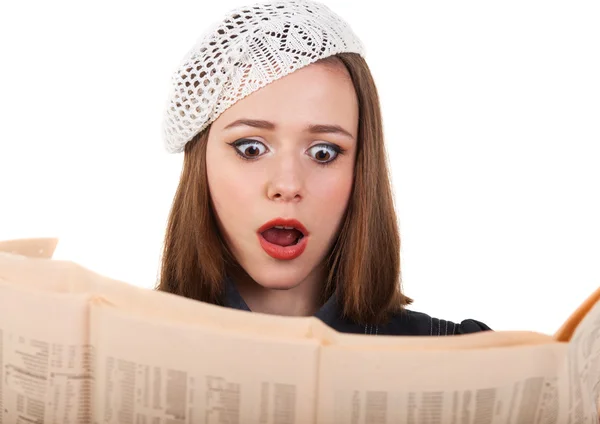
[[332, 189]]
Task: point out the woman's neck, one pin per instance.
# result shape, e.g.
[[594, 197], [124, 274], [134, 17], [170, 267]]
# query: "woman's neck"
[[301, 300]]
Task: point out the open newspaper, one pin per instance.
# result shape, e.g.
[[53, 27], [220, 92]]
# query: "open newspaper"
[[77, 347]]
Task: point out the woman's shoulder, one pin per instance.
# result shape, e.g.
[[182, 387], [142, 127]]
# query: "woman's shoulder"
[[413, 323]]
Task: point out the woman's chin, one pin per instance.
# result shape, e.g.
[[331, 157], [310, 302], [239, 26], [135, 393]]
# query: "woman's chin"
[[278, 279], [278, 284]]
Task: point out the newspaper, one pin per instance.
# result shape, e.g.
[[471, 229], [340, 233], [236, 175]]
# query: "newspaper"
[[179, 373], [45, 356], [77, 347]]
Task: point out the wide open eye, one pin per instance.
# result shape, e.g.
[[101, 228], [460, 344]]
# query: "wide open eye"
[[249, 149], [324, 153]]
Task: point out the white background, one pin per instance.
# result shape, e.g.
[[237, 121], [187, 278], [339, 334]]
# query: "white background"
[[491, 113]]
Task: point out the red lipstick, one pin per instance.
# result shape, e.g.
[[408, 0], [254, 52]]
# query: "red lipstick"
[[283, 252]]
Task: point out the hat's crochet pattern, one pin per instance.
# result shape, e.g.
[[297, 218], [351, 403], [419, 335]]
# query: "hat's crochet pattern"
[[249, 48]]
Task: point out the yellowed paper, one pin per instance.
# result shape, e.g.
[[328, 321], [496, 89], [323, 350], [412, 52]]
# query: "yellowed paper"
[[44, 356], [159, 356], [583, 369], [68, 277], [150, 370], [477, 386], [565, 332]]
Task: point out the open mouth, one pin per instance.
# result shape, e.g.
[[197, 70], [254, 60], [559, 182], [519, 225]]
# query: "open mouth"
[[283, 238]]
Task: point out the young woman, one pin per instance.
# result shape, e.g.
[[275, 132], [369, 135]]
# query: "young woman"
[[284, 204]]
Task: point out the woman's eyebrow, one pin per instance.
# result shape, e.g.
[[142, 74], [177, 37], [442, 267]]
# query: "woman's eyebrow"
[[256, 123], [313, 128], [329, 129]]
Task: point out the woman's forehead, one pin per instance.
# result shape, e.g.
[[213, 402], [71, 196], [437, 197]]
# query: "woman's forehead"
[[316, 95]]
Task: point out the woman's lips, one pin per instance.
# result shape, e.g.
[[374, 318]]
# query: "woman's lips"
[[283, 252], [284, 222]]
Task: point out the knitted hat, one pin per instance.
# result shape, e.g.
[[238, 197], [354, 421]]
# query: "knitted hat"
[[251, 47]]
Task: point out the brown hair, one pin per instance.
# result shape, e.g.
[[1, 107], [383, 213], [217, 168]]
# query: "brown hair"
[[364, 262]]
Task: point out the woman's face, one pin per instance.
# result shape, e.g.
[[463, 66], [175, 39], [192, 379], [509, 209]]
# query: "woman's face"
[[285, 151]]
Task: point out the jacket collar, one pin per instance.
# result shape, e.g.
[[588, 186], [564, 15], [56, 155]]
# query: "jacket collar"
[[328, 313]]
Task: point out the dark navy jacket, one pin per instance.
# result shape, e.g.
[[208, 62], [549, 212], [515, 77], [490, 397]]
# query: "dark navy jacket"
[[409, 323]]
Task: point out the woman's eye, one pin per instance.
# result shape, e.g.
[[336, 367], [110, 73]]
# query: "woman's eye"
[[324, 153], [249, 149]]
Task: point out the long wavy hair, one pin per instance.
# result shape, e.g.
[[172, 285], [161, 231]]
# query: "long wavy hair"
[[364, 262]]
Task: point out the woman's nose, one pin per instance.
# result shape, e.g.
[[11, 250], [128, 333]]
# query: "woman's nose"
[[286, 180]]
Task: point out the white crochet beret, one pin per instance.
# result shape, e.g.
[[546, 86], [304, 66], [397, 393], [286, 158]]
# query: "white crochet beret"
[[251, 47]]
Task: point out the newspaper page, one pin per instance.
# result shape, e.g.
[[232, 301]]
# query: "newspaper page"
[[583, 371], [499, 385], [566, 330], [46, 275], [176, 308], [69, 277], [151, 370], [44, 356]]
